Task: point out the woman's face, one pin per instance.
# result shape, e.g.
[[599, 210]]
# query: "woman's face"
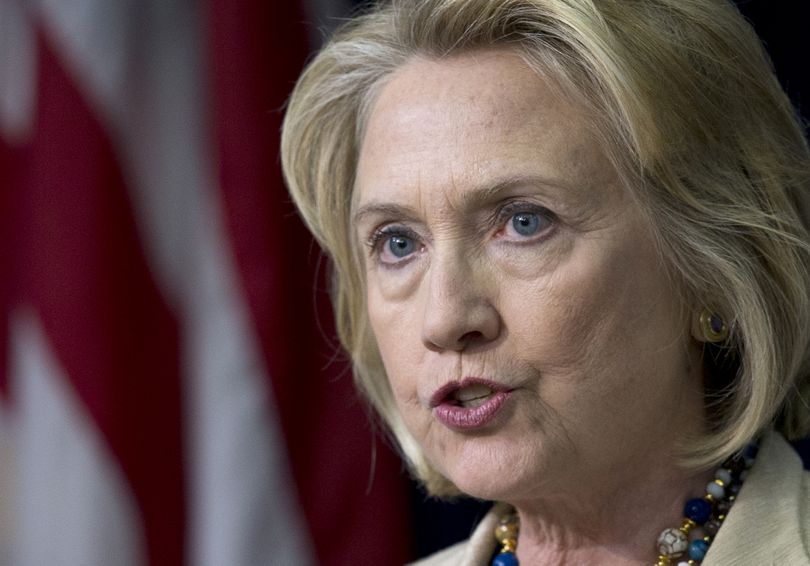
[[528, 328]]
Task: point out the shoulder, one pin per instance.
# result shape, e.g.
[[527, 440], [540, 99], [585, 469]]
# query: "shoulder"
[[805, 511], [770, 522], [788, 487], [450, 556], [475, 551]]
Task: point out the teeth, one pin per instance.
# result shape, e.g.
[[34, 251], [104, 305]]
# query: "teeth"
[[472, 395], [474, 402]]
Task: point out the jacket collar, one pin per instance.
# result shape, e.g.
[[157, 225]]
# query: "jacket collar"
[[770, 521]]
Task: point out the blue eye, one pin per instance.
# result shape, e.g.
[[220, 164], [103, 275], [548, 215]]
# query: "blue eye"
[[526, 223], [394, 244], [401, 246]]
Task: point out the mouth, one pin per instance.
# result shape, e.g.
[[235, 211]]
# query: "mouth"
[[470, 392], [469, 404]]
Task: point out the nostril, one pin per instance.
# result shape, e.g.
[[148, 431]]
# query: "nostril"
[[472, 336], [459, 323]]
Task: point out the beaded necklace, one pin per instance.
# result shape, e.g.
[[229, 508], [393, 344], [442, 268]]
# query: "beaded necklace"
[[690, 542]]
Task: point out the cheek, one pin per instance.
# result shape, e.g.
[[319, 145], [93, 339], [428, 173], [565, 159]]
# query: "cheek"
[[597, 311], [393, 328], [392, 285], [555, 331]]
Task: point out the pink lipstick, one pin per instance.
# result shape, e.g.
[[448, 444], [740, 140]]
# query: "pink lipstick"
[[469, 404]]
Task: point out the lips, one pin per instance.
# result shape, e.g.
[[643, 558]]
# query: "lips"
[[468, 404]]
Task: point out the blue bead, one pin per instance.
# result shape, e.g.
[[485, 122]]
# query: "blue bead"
[[698, 509], [505, 559], [697, 549]]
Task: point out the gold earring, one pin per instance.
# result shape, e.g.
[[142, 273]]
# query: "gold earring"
[[713, 327]]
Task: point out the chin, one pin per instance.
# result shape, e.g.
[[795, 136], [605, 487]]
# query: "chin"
[[494, 473]]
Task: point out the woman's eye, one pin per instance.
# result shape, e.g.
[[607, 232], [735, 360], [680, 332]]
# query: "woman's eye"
[[526, 223], [394, 244], [401, 246]]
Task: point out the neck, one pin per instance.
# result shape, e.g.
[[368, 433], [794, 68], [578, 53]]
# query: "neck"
[[599, 522]]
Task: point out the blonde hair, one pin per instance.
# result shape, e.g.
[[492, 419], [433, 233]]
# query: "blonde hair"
[[694, 121]]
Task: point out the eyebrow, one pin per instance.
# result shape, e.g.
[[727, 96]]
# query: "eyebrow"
[[470, 200], [384, 209]]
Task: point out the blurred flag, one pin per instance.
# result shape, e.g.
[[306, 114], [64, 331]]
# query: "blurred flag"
[[167, 396]]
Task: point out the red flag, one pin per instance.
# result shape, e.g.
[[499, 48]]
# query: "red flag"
[[258, 50], [169, 393]]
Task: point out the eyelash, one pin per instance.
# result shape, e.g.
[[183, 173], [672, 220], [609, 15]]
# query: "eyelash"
[[500, 219]]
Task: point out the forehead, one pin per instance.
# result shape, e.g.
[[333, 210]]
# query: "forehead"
[[440, 127]]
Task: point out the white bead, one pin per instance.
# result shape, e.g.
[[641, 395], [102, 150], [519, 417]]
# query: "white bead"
[[723, 475], [684, 563], [672, 542], [716, 491]]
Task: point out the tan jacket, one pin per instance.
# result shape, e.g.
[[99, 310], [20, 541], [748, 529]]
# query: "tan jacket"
[[768, 525]]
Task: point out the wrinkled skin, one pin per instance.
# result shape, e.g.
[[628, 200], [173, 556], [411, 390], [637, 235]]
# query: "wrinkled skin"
[[500, 244]]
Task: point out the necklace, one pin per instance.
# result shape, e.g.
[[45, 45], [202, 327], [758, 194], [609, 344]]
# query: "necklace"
[[506, 533], [689, 543]]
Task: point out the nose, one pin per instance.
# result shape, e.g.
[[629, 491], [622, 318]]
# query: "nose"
[[458, 310]]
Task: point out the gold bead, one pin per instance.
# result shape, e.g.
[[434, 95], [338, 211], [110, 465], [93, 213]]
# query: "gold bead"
[[505, 532], [686, 526], [663, 560], [507, 519]]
